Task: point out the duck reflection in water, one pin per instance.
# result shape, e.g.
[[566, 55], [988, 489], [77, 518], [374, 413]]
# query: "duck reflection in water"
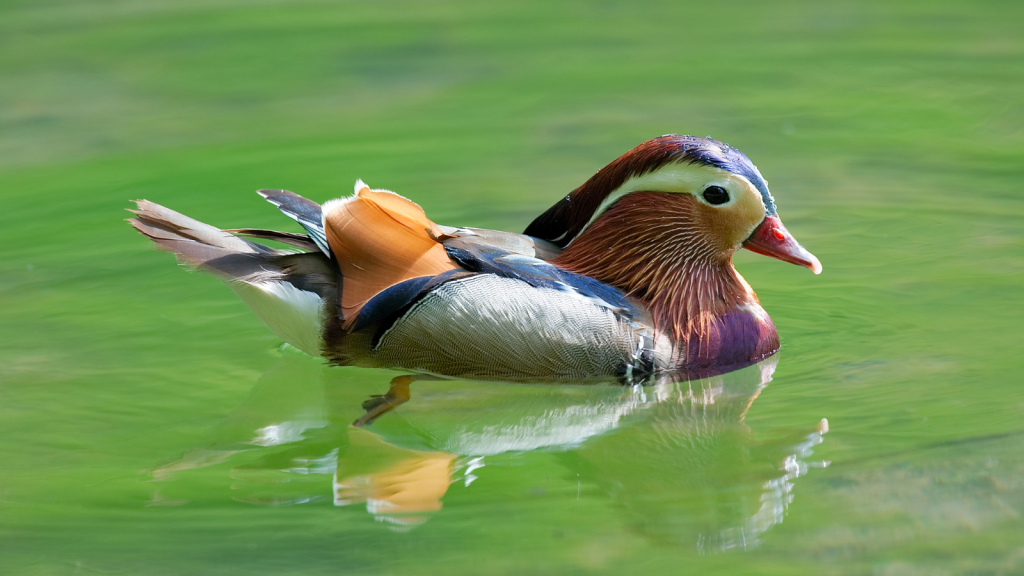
[[674, 457]]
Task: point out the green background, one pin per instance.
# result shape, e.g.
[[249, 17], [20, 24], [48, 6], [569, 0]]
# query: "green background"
[[892, 134]]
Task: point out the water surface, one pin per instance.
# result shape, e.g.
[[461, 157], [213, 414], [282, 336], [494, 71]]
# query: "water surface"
[[149, 424]]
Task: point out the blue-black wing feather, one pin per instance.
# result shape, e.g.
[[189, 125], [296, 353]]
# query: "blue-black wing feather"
[[486, 259], [304, 211], [392, 303]]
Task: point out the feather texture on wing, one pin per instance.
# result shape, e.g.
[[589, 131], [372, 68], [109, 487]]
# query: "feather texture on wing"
[[380, 239]]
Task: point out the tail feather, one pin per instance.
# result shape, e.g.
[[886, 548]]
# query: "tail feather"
[[286, 290], [298, 240], [193, 242]]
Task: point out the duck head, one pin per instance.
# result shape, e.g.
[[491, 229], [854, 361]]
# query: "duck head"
[[662, 222]]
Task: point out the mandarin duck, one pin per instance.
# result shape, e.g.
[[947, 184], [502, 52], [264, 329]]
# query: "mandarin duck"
[[627, 276]]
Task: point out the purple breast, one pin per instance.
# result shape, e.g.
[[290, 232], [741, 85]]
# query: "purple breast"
[[735, 338]]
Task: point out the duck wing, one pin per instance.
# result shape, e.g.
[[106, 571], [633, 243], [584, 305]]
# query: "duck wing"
[[508, 241], [380, 239], [482, 258], [474, 256], [391, 255], [304, 211]]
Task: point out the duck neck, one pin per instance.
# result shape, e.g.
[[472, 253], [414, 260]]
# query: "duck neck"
[[650, 246]]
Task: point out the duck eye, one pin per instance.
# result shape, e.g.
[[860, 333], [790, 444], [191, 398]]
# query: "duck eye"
[[716, 195]]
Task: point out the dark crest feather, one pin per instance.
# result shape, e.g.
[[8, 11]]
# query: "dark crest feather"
[[562, 222]]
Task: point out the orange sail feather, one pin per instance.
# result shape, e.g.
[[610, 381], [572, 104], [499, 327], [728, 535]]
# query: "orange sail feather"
[[380, 239]]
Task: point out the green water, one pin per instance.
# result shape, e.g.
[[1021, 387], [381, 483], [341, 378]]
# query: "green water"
[[149, 424]]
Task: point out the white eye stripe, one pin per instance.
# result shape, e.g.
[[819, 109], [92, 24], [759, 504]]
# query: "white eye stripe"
[[679, 178]]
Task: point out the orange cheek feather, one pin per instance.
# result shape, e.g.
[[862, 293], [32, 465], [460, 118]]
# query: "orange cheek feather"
[[669, 251], [727, 228]]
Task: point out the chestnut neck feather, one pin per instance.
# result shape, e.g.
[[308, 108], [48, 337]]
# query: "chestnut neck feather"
[[652, 246]]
